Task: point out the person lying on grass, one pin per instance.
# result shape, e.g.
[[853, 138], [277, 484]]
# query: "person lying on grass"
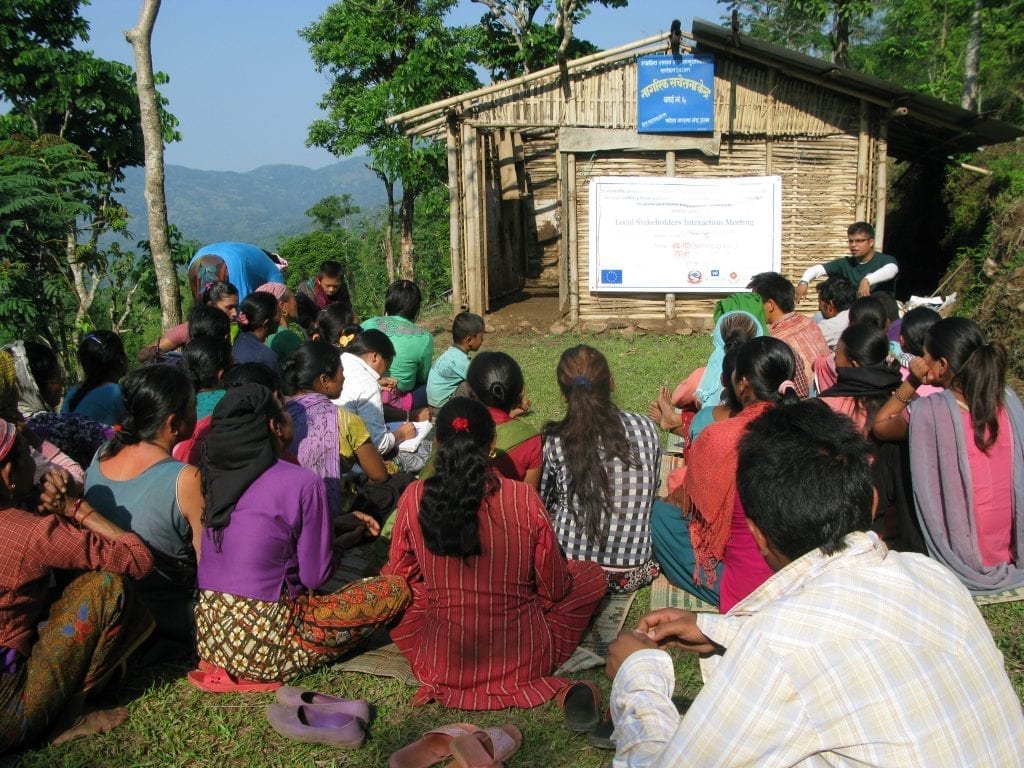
[[850, 655]]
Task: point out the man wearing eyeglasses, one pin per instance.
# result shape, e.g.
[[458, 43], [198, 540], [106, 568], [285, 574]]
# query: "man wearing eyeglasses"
[[866, 268]]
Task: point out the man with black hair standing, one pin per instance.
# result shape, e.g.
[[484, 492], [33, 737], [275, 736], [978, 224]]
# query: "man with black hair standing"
[[850, 655]]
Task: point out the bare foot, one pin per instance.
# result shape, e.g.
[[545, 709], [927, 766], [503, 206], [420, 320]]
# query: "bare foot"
[[94, 721], [663, 412]]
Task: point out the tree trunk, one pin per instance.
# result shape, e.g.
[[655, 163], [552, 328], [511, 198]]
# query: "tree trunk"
[[405, 255], [141, 37], [841, 35], [969, 97], [564, 10], [388, 245], [85, 290]]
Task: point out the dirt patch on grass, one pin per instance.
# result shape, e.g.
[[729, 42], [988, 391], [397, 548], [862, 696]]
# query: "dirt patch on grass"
[[536, 310]]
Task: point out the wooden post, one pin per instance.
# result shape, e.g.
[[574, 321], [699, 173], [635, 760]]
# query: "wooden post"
[[484, 206], [455, 212], [769, 123], [564, 290], [569, 228], [863, 147], [670, 298], [881, 184], [471, 196]]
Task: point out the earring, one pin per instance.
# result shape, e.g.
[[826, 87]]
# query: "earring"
[[492, 453]]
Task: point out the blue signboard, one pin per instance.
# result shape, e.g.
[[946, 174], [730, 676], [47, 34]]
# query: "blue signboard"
[[675, 94]]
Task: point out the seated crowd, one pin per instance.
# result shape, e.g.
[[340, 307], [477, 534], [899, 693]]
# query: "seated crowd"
[[847, 488]]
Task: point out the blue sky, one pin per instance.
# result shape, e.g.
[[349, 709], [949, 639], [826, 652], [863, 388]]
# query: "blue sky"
[[242, 83]]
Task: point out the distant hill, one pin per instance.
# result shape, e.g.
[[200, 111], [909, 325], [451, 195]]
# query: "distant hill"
[[259, 207]]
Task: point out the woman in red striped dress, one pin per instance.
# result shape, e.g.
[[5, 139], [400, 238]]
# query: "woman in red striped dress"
[[496, 606]]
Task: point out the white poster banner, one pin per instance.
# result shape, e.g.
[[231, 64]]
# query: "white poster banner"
[[683, 235]]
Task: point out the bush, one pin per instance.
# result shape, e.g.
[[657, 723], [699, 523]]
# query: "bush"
[[987, 214]]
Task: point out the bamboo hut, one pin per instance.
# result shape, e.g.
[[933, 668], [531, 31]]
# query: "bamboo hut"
[[522, 153]]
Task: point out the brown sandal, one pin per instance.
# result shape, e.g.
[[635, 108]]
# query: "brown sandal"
[[580, 703]]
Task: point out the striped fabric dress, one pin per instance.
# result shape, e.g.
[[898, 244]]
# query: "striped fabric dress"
[[487, 633]]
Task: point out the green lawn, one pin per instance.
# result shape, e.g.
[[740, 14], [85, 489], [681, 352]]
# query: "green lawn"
[[174, 724]]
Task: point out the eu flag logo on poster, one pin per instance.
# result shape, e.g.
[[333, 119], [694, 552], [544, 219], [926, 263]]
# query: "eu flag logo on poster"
[[611, 276], [675, 94]]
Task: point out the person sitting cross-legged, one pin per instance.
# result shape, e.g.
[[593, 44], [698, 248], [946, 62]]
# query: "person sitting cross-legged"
[[849, 655], [800, 332], [496, 607], [268, 546]]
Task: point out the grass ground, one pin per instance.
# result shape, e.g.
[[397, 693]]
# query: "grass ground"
[[174, 724]]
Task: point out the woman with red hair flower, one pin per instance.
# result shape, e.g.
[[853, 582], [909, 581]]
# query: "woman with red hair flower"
[[496, 606]]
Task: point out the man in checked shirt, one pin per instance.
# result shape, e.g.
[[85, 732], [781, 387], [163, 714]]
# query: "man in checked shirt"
[[850, 655]]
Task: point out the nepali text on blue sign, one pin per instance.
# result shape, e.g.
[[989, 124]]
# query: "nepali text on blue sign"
[[675, 94]]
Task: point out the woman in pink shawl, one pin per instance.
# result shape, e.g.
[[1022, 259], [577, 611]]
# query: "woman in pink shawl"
[[966, 455]]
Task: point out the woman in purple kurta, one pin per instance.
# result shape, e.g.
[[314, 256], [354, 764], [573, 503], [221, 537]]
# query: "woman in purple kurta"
[[268, 545]]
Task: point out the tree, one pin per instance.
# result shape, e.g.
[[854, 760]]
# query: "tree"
[[332, 211], [57, 90], [513, 42], [386, 57], [1001, 77], [567, 13], [141, 39], [45, 185], [817, 27], [962, 51]]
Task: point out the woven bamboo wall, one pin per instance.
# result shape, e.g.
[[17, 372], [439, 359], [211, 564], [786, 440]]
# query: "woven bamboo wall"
[[818, 190], [605, 97], [540, 158]]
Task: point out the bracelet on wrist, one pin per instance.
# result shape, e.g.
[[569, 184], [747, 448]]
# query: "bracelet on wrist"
[[904, 400], [74, 508], [86, 516]]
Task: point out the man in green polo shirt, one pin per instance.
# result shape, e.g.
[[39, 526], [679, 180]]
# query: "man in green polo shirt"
[[866, 268]]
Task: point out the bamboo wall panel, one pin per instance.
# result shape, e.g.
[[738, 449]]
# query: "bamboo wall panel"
[[540, 161], [818, 192]]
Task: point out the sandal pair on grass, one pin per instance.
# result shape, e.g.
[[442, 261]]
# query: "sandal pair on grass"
[[469, 746], [298, 714]]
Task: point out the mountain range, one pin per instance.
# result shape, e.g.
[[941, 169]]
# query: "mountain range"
[[260, 206]]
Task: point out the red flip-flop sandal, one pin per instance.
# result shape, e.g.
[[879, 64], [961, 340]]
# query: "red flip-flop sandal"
[[214, 679]]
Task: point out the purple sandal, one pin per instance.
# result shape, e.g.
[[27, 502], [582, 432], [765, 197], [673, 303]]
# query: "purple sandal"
[[297, 697], [317, 725]]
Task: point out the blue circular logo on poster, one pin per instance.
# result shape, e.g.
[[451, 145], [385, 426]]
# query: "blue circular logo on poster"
[[694, 277]]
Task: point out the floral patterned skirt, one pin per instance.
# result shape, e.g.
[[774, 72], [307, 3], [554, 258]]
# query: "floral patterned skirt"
[[91, 629], [265, 641]]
